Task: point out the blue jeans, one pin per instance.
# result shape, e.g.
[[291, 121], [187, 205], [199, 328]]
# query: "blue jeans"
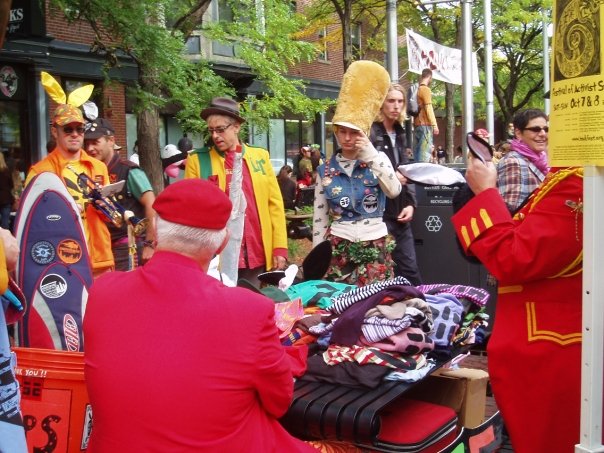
[[404, 252], [423, 140], [5, 216]]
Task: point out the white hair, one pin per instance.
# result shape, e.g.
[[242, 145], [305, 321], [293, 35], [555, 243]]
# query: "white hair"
[[188, 240]]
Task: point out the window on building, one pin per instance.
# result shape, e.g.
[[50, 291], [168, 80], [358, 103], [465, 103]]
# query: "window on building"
[[222, 11], [259, 138], [356, 41], [11, 135], [284, 139], [193, 45], [323, 56], [307, 132], [276, 135], [292, 138], [276, 144], [227, 11], [330, 140]]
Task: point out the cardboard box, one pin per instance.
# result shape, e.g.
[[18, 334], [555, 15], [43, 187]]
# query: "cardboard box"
[[464, 390]]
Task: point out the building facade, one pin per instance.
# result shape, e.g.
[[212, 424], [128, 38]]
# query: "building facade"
[[39, 39]]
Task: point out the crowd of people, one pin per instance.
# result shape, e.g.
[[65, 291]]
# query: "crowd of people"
[[230, 203]]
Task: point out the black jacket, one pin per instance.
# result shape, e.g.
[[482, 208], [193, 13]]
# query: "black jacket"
[[380, 139], [119, 170]]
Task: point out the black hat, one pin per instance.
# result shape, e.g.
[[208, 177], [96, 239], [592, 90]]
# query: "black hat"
[[317, 261], [223, 106], [271, 277], [99, 128]]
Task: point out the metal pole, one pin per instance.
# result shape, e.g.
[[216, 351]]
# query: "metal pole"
[[488, 70], [466, 63], [322, 133], [545, 62], [392, 40], [592, 349]]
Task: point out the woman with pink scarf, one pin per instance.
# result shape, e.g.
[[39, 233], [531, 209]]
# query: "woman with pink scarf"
[[524, 167]]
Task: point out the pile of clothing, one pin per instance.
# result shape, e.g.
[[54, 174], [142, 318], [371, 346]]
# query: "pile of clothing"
[[387, 330]]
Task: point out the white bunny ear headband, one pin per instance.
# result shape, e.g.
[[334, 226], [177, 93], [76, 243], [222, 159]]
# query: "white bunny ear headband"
[[68, 104]]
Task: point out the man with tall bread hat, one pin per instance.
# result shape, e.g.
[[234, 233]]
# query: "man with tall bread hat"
[[197, 366], [136, 196], [67, 160], [264, 234], [352, 186]]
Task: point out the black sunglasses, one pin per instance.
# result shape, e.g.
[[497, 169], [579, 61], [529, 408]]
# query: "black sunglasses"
[[70, 129], [536, 129]]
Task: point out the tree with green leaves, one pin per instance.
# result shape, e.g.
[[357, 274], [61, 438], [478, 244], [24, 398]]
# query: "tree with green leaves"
[[442, 24], [437, 22], [517, 37], [153, 34], [349, 13]]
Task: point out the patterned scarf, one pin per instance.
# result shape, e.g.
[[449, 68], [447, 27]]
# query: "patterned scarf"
[[539, 159]]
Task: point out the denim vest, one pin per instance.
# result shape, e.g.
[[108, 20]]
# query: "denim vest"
[[351, 198]]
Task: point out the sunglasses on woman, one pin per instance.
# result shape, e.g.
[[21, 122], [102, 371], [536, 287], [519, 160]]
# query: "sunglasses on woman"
[[536, 129]]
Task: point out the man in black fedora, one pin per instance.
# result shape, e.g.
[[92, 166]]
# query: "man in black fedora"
[[238, 168]]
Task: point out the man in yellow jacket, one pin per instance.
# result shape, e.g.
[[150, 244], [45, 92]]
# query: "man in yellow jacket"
[[67, 160], [264, 241]]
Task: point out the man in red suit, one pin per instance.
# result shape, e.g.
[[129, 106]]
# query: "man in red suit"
[[535, 348], [177, 362]]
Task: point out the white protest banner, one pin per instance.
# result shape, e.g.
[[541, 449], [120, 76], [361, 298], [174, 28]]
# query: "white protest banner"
[[445, 62]]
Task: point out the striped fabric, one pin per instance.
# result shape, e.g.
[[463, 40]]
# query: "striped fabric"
[[377, 328], [477, 296], [343, 301]]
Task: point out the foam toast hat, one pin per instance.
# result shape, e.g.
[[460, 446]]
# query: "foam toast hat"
[[364, 87]]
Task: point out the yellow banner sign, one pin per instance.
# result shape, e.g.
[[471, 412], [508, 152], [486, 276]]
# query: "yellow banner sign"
[[577, 90]]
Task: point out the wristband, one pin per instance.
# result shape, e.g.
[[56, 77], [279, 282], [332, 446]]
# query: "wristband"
[[148, 244]]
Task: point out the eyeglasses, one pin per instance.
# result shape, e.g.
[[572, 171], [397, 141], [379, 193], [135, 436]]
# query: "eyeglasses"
[[537, 129], [70, 129], [219, 130]]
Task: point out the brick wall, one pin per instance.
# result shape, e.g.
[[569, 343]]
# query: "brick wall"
[[114, 109], [332, 69], [113, 101], [58, 27]]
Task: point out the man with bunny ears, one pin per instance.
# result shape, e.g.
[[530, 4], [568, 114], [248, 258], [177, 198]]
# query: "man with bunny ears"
[[68, 159]]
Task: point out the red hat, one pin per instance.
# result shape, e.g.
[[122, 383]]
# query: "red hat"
[[194, 202]]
